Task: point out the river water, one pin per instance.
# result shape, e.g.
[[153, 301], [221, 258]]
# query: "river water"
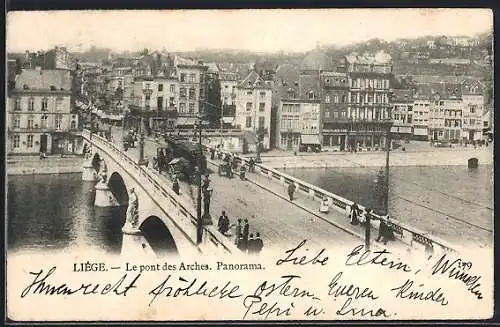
[[57, 211], [454, 203], [451, 202]]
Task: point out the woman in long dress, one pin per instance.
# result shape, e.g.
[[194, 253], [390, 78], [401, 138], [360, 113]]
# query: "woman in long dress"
[[354, 214]]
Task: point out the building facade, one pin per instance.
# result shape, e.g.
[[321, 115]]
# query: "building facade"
[[299, 124], [39, 113], [253, 108], [402, 114]]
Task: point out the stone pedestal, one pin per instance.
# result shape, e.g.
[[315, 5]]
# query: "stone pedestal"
[[104, 197], [134, 244], [89, 174]]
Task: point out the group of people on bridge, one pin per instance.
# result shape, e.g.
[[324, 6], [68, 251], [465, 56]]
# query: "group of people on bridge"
[[248, 243], [358, 216]]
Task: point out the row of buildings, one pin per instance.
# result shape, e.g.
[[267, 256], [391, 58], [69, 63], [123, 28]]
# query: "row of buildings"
[[322, 104]]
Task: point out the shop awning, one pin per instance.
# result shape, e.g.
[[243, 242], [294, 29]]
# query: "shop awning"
[[401, 129], [227, 120], [186, 120], [310, 139], [420, 131]]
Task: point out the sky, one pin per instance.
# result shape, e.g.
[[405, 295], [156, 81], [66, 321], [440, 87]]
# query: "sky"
[[289, 30]]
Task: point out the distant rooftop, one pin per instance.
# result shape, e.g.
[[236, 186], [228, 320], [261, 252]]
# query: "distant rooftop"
[[379, 58], [44, 79]]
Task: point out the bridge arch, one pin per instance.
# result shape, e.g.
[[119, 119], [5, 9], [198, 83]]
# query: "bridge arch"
[[118, 187], [158, 236]]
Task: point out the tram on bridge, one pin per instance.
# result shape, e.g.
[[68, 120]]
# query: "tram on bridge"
[[184, 157]]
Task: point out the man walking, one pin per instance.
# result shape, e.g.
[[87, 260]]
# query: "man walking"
[[257, 243], [246, 228], [223, 224], [291, 190]]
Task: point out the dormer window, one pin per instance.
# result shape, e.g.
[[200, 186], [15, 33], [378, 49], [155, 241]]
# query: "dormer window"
[[311, 95], [52, 88], [25, 87]]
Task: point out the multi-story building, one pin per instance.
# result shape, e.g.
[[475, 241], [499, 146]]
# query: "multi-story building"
[[39, 113], [402, 113], [368, 109], [253, 107], [421, 106], [228, 84], [473, 98], [335, 94], [299, 124], [445, 112], [156, 98]]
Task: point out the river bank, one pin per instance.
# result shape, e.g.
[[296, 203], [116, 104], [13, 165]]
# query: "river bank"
[[439, 157], [29, 165]]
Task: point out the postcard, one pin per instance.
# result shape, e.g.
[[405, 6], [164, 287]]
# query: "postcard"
[[249, 165]]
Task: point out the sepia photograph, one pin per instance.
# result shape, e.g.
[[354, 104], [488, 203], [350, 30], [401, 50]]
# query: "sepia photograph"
[[249, 165]]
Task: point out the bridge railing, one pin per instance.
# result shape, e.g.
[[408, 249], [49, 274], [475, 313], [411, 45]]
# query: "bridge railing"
[[412, 236], [185, 210]]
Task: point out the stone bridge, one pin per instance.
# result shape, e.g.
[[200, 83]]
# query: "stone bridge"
[[165, 223]]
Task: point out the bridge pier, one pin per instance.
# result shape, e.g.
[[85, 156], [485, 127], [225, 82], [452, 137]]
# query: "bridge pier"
[[104, 197], [134, 243], [89, 173]]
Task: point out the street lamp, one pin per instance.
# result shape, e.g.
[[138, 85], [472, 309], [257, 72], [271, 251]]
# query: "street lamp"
[[141, 161], [257, 158], [206, 219]]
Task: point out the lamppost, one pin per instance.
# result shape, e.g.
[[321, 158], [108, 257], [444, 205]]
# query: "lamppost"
[[257, 158], [141, 161], [206, 219]]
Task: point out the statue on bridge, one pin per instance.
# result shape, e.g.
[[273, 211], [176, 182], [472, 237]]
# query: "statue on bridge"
[[133, 209], [103, 172]]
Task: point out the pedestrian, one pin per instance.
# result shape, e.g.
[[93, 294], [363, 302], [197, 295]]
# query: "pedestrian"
[[241, 243], [291, 190], [246, 228], [223, 224], [251, 245], [354, 214], [323, 207], [238, 230], [175, 186], [258, 244], [385, 232]]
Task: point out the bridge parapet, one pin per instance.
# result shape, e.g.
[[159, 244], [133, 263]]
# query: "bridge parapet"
[[180, 210], [409, 235]]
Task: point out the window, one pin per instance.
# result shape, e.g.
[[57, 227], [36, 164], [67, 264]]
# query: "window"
[[311, 95], [171, 102], [249, 93], [182, 107], [30, 141], [172, 88], [472, 121], [30, 122], [17, 121], [148, 86], [344, 99], [473, 109], [192, 94], [248, 122], [192, 78], [16, 139], [58, 121], [159, 103], [73, 124], [262, 95], [183, 77], [59, 102], [249, 106], [45, 104], [160, 87], [17, 104], [262, 121], [182, 92], [44, 121], [336, 99], [262, 106], [327, 99], [147, 100], [191, 108], [31, 104]]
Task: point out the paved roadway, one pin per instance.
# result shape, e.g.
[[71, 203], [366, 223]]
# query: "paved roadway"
[[278, 222]]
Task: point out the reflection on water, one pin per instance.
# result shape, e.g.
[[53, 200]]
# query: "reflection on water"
[[452, 202], [57, 211]]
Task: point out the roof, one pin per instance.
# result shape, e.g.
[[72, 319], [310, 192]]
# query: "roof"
[[317, 59], [379, 58], [212, 68], [11, 70], [472, 87], [44, 79], [253, 80], [440, 90], [402, 96], [308, 83]]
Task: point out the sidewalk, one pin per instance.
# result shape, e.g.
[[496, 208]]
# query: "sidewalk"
[[335, 217]]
